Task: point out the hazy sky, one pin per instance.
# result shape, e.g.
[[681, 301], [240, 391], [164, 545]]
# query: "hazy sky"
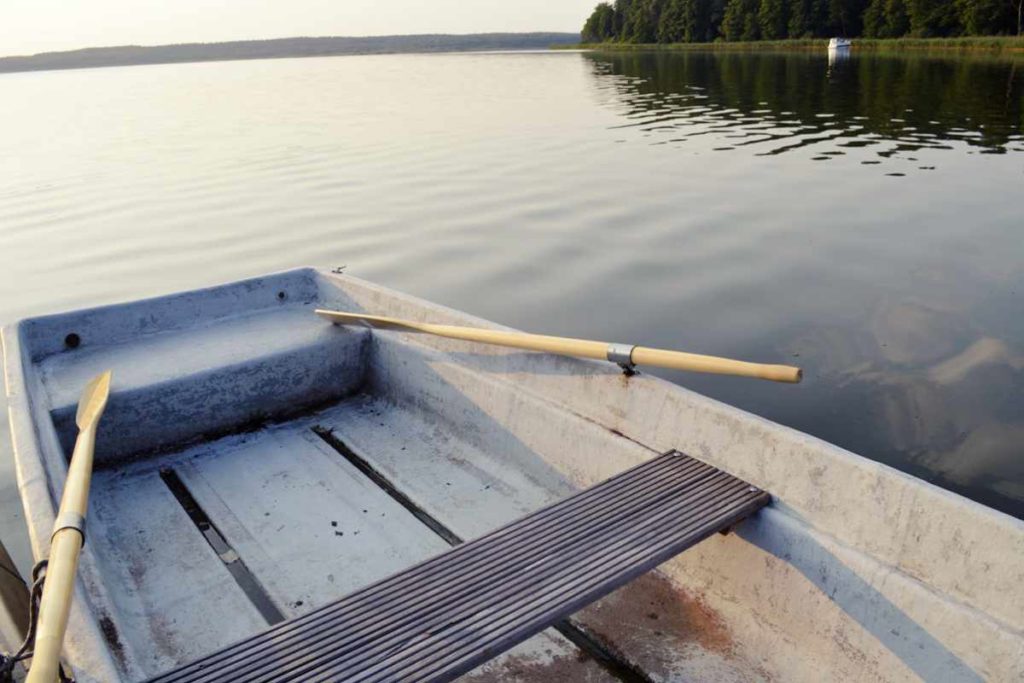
[[29, 26]]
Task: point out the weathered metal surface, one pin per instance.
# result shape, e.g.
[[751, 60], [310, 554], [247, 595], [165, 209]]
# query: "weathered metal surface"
[[858, 572], [473, 490], [667, 632], [445, 616], [306, 522], [461, 492], [555, 660], [166, 590], [943, 568], [306, 525], [216, 380]]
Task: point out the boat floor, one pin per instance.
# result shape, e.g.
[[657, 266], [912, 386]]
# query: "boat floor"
[[206, 546]]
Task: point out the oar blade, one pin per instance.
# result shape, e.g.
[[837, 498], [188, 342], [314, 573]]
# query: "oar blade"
[[340, 316], [94, 400], [376, 320]]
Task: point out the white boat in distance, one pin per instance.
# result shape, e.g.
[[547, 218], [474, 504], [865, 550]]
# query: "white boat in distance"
[[838, 44], [257, 465]]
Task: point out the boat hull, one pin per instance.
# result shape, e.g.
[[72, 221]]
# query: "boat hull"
[[857, 569]]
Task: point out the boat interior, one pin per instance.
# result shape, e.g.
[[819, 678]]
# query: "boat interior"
[[256, 462]]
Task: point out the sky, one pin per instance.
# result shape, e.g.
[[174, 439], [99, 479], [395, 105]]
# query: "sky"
[[30, 26]]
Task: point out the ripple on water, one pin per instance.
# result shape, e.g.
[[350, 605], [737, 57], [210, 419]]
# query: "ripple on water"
[[679, 200]]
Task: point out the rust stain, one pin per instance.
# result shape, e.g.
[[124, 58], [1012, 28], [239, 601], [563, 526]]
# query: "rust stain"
[[650, 620], [526, 669]]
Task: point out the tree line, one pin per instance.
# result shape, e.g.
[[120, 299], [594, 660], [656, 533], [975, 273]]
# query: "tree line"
[[700, 21], [883, 103]]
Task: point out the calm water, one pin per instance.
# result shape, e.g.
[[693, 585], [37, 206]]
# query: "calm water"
[[863, 219]]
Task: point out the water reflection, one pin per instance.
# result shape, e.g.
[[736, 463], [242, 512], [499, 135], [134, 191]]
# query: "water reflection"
[[581, 195], [935, 396], [926, 372], [836, 57], [777, 103]]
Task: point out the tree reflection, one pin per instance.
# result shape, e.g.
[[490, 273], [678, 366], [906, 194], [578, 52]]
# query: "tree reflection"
[[782, 102]]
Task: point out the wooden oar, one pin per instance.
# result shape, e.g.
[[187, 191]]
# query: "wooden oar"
[[622, 354], [68, 536]]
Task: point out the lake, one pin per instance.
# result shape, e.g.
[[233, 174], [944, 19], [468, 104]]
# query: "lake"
[[863, 219]]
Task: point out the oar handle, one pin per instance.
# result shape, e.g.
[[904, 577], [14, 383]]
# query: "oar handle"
[[585, 348], [679, 360]]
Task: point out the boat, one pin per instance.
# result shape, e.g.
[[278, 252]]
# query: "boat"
[[257, 463], [839, 44]]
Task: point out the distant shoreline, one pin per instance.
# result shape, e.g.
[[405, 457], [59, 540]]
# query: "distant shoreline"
[[993, 44], [133, 55]]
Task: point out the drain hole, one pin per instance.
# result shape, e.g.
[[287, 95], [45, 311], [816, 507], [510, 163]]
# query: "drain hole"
[[281, 296], [72, 341], [245, 579]]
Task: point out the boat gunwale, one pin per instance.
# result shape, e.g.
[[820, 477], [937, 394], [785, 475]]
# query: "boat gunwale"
[[40, 473]]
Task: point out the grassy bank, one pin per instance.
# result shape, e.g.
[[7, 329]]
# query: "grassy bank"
[[992, 44]]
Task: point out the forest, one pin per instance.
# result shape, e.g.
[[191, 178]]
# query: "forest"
[[701, 21]]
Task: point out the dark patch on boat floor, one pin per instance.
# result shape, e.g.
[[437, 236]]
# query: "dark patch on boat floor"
[[112, 637]]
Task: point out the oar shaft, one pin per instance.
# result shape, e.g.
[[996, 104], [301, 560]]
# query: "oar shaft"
[[66, 542], [55, 606], [676, 360], [62, 565], [530, 342]]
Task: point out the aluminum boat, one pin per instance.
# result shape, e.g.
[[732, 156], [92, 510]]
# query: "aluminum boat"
[[256, 464]]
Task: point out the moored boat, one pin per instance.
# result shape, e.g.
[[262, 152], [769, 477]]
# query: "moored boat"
[[839, 44], [256, 463]]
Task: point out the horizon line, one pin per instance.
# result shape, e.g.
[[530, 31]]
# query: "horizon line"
[[270, 40]]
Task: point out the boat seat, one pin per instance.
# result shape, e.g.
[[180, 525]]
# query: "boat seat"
[[196, 365], [174, 386], [445, 616]]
